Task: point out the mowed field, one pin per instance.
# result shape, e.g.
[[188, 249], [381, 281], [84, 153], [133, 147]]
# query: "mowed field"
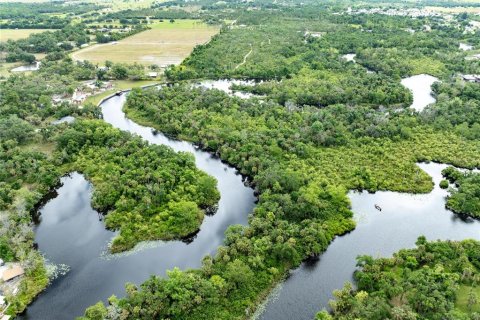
[[15, 34], [166, 43]]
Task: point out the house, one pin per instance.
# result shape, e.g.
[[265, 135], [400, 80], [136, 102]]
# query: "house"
[[57, 99], [11, 272], [153, 74], [471, 77]]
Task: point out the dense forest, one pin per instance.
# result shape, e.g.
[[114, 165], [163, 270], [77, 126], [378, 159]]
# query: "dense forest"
[[436, 280]]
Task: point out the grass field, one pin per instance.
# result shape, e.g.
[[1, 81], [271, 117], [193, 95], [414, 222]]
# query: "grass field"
[[462, 298], [15, 34], [166, 43]]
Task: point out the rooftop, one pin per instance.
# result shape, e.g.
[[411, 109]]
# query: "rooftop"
[[11, 272]]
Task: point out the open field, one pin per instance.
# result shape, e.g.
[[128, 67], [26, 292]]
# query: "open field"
[[166, 43], [15, 34]]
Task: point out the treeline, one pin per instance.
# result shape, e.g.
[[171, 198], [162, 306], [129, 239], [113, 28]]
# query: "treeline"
[[36, 22], [115, 36], [51, 15], [45, 42], [465, 198], [437, 280], [11, 10]]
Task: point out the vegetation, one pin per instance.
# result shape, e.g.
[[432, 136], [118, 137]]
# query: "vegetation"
[[437, 280], [323, 126], [465, 199], [149, 192], [45, 42]]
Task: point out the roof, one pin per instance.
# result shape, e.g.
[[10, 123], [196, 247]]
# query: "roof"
[[12, 272]]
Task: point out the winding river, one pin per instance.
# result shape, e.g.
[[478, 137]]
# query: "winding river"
[[70, 232]]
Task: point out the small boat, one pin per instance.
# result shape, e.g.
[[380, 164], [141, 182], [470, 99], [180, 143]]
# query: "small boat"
[[378, 207], [118, 93]]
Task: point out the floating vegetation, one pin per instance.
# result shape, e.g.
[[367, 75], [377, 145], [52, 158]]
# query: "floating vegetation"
[[274, 294], [55, 270], [108, 255]]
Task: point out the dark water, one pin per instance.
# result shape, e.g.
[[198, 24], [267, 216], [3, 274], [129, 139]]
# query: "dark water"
[[71, 233], [403, 218]]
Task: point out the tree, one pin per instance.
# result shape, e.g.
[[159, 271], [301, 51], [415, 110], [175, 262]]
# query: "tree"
[[96, 312], [472, 300], [119, 72]]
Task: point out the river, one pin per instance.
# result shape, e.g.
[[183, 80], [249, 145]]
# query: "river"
[[403, 218], [70, 232]]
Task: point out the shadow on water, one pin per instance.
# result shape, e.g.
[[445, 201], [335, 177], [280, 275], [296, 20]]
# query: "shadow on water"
[[69, 231]]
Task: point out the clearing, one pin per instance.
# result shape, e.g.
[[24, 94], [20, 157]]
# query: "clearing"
[[166, 43], [15, 34]]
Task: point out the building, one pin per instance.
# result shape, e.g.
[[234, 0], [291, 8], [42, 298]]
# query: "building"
[[471, 77], [11, 272]]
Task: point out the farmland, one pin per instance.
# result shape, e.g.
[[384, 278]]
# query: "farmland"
[[15, 34], [166, 43]]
